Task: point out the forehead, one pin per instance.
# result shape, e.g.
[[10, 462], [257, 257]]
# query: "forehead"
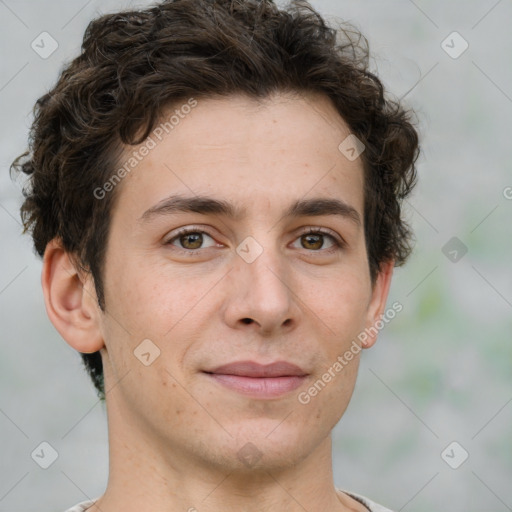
[[260, 155]]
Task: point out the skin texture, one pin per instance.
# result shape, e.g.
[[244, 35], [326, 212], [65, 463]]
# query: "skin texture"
[[175, 435]]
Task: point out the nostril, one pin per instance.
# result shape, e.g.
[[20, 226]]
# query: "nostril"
[[246, 320]]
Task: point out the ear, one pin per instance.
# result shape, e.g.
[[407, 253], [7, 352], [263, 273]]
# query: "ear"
[[70, 300], [378, 302]]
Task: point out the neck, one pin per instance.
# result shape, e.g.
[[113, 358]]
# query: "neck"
[[147, 472]]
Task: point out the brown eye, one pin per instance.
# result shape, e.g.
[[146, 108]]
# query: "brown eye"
[[191, 240], [313, 242]]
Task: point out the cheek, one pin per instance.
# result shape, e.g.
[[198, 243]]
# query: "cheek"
[[149, 318], [342, 306], [141, 390], [146, 301], [327, 397]]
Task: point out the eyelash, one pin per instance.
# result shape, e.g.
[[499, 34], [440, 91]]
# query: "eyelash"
[[338, 243]]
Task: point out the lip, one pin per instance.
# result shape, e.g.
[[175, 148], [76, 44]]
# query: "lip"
[[259, 380], [253, 369]]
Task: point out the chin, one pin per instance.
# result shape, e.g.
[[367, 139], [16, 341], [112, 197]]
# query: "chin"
[[259, 447]]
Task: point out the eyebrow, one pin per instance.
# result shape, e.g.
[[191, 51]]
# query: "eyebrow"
[[205, 205]]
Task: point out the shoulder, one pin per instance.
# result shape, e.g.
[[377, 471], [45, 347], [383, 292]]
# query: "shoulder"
[[369, 504], [82, 506]]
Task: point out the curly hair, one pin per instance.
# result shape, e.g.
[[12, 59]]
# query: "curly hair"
[[137, 63]]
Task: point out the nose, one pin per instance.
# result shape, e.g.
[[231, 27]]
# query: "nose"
[[260, 295]]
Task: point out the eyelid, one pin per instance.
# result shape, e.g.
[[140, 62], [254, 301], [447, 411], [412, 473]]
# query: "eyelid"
[[185, 230], [325, 231]]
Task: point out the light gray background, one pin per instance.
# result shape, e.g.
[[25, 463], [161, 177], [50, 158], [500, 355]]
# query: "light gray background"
[[441, 371]]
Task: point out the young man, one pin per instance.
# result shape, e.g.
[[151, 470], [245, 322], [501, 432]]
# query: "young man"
[[216, 189]]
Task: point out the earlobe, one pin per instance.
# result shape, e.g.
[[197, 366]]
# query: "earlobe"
[[70, 300], [378, 303]]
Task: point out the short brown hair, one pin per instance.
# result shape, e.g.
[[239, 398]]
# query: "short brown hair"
[[134, 64]]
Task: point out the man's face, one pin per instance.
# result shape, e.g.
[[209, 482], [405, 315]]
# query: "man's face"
[[253, 287]]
